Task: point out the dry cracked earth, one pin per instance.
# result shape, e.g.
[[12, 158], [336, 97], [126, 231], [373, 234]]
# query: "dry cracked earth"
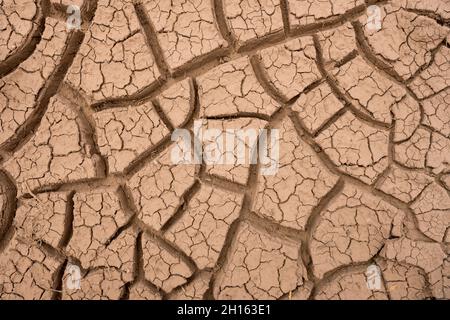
[[86, 180]]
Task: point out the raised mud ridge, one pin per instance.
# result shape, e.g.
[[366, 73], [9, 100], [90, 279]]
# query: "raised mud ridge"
[[361, 102]]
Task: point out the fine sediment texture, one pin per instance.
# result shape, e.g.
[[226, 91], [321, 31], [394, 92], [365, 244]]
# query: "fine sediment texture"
[[361, 104]]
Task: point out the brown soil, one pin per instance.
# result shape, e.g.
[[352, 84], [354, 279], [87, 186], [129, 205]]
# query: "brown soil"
[[86, 179]]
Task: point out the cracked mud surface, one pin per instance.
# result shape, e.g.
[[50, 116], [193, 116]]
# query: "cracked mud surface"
[[86, 178]]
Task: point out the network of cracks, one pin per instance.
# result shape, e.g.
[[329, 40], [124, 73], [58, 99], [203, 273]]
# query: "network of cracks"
[[87, 181]]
